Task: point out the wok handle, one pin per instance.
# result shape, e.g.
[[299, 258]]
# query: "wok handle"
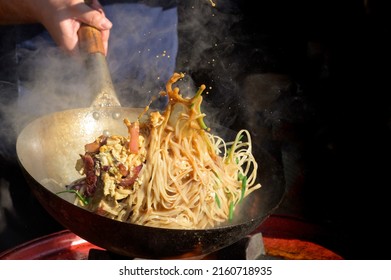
[[90, 39], [91, 43]]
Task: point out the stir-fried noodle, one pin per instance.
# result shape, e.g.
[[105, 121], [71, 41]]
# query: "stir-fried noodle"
[[170, 171]]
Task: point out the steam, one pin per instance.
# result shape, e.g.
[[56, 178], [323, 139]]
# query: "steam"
[[147, 44], [207, 51], [142, 50]]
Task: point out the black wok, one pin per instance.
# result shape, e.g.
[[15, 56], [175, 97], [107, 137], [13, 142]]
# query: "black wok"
[[47, 150]]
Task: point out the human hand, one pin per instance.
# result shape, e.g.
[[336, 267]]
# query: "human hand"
[[62, 19]]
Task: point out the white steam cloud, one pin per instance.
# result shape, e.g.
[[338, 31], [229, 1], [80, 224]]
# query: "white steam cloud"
[[147, 44]]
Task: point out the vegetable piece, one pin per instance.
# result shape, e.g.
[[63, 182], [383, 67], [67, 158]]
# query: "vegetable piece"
[[82, 198], [134, 132], [231, 211], [243, 178], [196, 105], [217, 200]]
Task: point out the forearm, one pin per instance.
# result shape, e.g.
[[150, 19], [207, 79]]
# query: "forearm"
[[17, 12]]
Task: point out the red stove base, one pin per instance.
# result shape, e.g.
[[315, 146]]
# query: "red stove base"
[[65, 245]]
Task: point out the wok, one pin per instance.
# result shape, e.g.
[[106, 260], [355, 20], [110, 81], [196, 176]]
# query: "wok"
[[47, 150]]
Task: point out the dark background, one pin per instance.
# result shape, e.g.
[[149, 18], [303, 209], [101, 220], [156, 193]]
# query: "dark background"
[[309, 78], [327, 117]]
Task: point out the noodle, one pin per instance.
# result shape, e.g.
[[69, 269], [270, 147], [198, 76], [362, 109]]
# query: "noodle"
[[170, 171]]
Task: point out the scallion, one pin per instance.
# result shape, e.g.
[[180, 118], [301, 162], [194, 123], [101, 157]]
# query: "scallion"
[[217, 200], [244, 186], [78, 194], [231, 211]]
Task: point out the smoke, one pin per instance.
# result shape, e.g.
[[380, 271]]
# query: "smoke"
[[207, 53], [142, 50], [148, 42], [41, 79]]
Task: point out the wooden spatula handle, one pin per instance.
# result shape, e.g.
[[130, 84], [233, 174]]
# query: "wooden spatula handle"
[[90, 39]]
